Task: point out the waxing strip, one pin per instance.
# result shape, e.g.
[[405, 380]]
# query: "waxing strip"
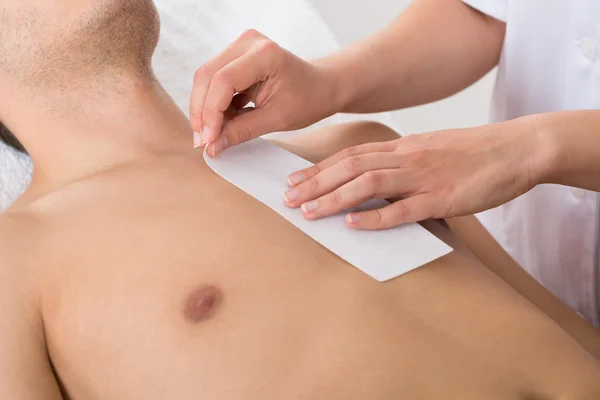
[[261, 169]]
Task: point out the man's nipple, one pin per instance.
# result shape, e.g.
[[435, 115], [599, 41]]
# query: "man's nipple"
[[203, 303]]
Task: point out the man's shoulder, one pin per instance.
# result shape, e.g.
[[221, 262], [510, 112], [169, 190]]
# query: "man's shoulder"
[[16, 229]]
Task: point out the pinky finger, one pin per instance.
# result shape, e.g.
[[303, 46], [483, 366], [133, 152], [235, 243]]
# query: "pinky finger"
[[411, 209]]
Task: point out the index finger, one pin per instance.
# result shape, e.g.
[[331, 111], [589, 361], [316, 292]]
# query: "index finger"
[[205, 73], [236, 77], [299, 177]]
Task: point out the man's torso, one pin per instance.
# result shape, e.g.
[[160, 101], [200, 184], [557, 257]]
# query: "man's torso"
[[117, 257]]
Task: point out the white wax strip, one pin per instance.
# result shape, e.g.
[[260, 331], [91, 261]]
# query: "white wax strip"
[[261, 169]]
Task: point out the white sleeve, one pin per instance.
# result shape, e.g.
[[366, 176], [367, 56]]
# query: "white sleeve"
[[494, 8]]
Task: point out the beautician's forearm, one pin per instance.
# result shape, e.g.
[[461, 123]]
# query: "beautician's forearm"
[[433, 50], [570, 143]]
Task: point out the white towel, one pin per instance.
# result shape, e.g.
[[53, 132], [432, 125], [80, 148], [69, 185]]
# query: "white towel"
[[193, 31], [15, 174]]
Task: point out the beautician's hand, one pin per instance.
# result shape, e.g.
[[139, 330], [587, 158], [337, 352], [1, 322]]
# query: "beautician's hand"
[[288, 93], [435, 175]]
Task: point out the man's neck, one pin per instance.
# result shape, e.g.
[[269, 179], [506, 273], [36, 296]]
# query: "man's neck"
[[103, 132]]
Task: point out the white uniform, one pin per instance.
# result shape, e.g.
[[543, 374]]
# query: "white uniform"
[[550, 62]]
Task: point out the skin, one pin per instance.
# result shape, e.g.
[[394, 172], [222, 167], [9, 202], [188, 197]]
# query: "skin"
[[451, 328], [473, 239], [420, 170], [123, 278], [433, 50]]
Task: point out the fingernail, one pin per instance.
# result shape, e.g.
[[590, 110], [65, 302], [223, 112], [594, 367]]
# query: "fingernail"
[[296, 179], [206, 134], [291, 195], [197, 140], [353, 219], [310, 207], [220, 145]]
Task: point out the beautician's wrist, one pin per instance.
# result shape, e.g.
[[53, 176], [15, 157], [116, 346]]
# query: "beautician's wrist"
[[343, 88], [524, 150], [545, 147]]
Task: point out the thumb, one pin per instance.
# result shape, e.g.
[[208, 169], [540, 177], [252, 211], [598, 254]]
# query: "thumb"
[[246, 126]]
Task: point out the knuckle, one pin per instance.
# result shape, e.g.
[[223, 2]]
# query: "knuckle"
[[223, 78], [396, 145], [196, 122], [196, 115], [378, 218], [445, 189], [350, 151], [267, 46], [250, 34], [336, 198], [401, 211], [314, 183], [372, 180], [243, 134], [352, 164], [420, 156], [201, 74], [313, 171], [211, 117], [410, 139], [210, 112]]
